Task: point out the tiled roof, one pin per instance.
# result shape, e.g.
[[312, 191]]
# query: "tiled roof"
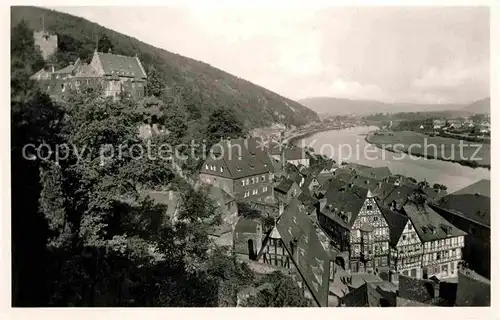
[[396, 222], [433, 194], [419, 290], [323, 177], [399, 195], [241, 158], [473, 207], [309, 257], [344, 174], [370, 295], [429, 224], [121, 65], [284, 186], [65, 70], [377, 173], [482, 187], [291, 152], [347, 200]]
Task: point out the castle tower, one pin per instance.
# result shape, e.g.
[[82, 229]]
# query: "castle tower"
[[46, 42]]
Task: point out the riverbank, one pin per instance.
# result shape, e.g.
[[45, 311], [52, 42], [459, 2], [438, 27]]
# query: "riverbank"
[[306, 134], [390, 141]]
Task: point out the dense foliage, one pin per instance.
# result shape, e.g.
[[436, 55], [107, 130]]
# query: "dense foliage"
[[282, 292], [82, 234], [196, 86]]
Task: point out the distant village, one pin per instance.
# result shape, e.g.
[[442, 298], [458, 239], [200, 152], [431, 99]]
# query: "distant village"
[[349, 235]]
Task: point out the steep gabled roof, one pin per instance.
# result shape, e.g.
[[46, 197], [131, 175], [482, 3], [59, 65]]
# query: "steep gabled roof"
[[396, 222], [241, 159], [429, 225], [284, 186], [476, 208], [309, 256], [399, 195], [482, 187], [348, 200], [121, 65], [370, 295]]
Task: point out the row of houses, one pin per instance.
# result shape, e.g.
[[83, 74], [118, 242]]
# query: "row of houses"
[[375, 224]]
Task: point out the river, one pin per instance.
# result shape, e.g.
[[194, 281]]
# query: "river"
[[350, 145]]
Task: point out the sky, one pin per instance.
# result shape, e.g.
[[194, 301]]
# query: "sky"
[[392, 54]]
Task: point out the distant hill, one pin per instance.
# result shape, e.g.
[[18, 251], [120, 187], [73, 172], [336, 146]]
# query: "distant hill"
[[480, 106], [199, 86], [336, 106]]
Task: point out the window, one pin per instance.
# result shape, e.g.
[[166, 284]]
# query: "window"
[[404, 237], [206, 166], [410, 226], [264, 189], [242, 182], [444, 269], [454, 241], [221, 169], [247, 181], [263, 178], [63, 87], [253, 180], [447, 241], [452, 267], [375, 218], [254, 191], [438, 256], [369, 207], [247, 193]]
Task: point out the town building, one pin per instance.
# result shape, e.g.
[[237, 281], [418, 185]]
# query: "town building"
[[441, 241], [247, 238], [240, 168], [286, 191], [469, 210], [294, 244], [406, 250], [289, 154], [352, 218], [226, 203], [116, 74]]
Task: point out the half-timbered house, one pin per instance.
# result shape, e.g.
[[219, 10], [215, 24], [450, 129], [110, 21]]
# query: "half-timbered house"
[[294, 243], [442, 242], [352, 218], [406, 250]]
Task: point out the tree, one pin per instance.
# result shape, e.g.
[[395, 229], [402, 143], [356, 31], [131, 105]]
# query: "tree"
[[104, 44], [156, 84], [283, 292], [222, 124]]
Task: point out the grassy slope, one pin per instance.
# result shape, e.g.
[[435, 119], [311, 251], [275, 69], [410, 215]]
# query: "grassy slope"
[[203, 87], [446, 148]]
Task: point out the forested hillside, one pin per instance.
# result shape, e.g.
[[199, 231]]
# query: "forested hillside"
[[82, 234], [195, 86]]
